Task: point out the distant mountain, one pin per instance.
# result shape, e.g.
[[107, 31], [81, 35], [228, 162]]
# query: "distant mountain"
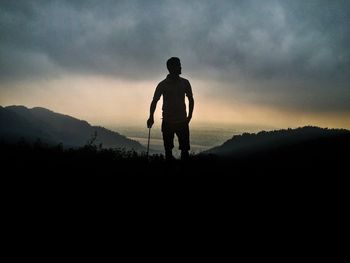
[[30, 124], [303, 142]]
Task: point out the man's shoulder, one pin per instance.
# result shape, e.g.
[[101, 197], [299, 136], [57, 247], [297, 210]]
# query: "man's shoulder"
[[162, 83], [166, 82], [184, 80]]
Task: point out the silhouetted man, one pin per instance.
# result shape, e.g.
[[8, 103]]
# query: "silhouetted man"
[[175, 119]]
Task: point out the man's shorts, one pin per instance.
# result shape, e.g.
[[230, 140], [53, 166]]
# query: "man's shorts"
[[182, 132]]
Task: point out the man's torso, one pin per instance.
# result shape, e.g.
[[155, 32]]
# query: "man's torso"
[[174, 91]]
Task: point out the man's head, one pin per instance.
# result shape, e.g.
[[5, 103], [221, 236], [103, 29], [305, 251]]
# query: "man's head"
[[174, 65]]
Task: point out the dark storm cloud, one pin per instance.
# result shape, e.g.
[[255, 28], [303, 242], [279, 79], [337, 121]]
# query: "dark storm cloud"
[[295, 51]]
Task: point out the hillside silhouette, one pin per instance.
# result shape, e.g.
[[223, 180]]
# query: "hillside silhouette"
[[302, 154], [293, 153], [306, 138], [39, 142], [19, 122]]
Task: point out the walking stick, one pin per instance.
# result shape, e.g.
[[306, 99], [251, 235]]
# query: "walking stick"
[[149, 137]]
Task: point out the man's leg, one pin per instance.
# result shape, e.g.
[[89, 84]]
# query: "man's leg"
[[183, 134], [168, 139]]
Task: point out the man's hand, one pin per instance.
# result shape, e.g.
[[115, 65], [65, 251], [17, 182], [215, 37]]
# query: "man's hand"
[[150, 122]]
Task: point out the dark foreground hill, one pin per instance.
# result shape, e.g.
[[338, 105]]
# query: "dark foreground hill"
[[301, 153], [19, 122], [306, 142], [316, 167]]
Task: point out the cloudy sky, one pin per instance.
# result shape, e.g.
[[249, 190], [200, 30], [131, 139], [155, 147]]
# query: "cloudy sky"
[[273, 63]]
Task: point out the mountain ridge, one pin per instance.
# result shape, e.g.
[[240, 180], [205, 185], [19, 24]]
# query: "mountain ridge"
[[252, 143], [18, 121]]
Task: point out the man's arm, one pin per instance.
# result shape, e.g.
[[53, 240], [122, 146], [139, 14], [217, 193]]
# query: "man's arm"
[[190, 108], [190, 101], [153, 106]]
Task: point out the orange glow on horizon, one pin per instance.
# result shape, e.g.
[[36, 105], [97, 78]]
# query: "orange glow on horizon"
[[111, 102]]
